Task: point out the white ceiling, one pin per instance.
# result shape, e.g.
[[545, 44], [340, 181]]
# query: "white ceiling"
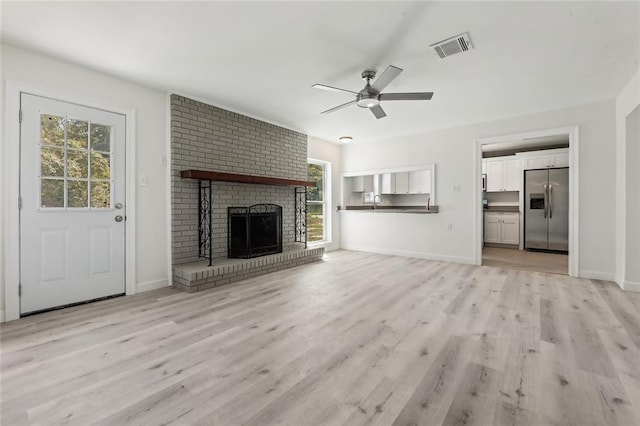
[[261, 58]]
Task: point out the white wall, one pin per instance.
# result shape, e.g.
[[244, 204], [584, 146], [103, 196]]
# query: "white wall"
[[93, 88], [627, 189], [452, 150], [632, 200], [319, 149]]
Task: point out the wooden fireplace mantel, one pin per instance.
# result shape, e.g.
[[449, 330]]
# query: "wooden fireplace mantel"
[[237, 178]]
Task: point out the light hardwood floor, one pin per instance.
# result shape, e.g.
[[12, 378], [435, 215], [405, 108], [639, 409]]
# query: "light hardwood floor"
[[553, 263], [356, 339]]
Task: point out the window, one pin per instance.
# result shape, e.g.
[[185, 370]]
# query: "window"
[[75, 169], [317, 223]]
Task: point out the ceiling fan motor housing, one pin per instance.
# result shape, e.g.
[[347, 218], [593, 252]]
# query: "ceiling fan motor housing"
[[368, 75], [368, 97]]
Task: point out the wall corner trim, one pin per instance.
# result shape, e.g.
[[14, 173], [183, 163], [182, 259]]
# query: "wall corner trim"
[[152, 285]]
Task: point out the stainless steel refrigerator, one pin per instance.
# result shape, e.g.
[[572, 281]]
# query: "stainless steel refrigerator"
[[546, 215]]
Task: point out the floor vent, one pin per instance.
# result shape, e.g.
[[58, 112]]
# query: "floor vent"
[[451, 46]]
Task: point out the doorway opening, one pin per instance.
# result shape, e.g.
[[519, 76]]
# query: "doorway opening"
[[527, 190]]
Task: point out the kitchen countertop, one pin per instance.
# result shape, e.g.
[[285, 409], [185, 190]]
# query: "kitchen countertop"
[[506, 209], [393, 209]]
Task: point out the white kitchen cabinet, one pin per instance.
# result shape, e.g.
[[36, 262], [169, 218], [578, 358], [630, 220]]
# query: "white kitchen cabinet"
[[402, 182], [362, 183], [492, 226], [545, 159], [511, 175], [510, 228], [535, 163], [494, 176], [503, 174], [388, 183], [502, 228], [560, 160], [420, 182]]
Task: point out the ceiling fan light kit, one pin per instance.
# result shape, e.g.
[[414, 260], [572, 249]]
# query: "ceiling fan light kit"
[[370, 96]]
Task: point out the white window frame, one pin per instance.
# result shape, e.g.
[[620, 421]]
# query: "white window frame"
[[326, 199]]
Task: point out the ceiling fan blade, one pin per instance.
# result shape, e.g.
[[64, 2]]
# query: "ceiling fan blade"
[[339, 107], [418, 96], [378, 112], [332, 89], [385, 78]]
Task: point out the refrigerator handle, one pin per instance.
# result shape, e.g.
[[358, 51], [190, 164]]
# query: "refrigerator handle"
[[546, 205], [550, 201]]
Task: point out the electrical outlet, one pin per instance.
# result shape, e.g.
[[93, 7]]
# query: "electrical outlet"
[[456, 188], [450, 227]]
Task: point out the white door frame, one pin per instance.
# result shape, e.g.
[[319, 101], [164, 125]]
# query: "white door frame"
[[10, 187], [574, 190]]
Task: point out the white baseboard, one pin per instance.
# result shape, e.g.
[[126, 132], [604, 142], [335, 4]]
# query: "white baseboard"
[[328, 246], [418, 254], [151, 285], [2, 316], [631, 286], [596, 275]]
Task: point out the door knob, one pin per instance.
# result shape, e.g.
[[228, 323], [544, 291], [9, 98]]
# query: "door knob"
[[119, 218], [118, 205]]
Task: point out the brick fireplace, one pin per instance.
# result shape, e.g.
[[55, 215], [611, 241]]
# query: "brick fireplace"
[[204, 137]]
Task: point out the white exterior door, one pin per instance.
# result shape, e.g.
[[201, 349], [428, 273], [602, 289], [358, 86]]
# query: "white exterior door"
[[72, 189]]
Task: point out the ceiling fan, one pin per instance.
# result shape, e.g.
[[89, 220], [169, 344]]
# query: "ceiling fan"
[[370, 97]]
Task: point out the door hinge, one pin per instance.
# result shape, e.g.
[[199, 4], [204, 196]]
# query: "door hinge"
[[20, 289], [20, 115], [19, 203]]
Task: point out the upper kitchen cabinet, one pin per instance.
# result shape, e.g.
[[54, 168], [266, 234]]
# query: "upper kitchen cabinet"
[[414, 182], [420, 182], [362, 183], [503, 174], [407, 186], [402, 182], [544, 159], [388, 183]]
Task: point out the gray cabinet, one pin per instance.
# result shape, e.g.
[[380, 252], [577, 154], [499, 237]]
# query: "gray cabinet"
[[402, 182], [362, 183], [414, 182]]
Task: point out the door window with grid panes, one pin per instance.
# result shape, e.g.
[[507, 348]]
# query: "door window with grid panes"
[[75, 163]]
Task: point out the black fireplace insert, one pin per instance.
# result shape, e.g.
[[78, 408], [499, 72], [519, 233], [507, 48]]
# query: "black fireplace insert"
[[254, 231]]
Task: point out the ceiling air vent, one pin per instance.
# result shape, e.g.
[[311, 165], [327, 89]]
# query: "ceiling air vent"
[[451, 46]]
